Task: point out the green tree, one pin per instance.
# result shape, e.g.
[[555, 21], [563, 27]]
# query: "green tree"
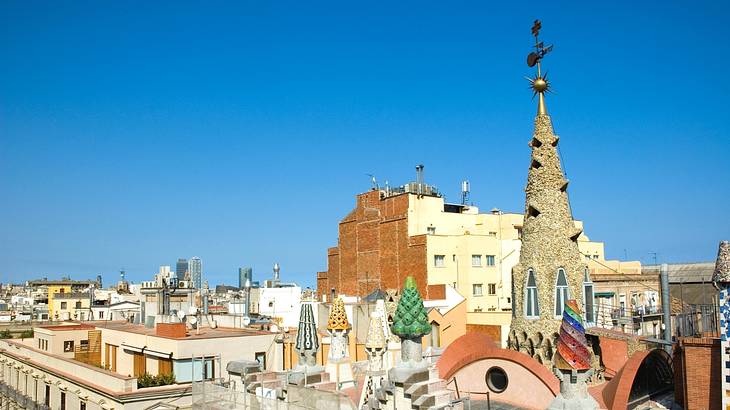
[[27, 334], [5, 334], [410, 320]]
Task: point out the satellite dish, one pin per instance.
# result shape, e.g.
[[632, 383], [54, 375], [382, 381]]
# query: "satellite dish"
[[274, 328], [180, 314], [192, 320], [193, 310], [246, 321], [532, 59]]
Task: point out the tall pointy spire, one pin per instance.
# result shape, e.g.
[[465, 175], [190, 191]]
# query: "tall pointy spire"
[[550, 270]]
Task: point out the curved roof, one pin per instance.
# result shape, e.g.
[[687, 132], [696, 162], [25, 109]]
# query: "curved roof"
[[476, 346]]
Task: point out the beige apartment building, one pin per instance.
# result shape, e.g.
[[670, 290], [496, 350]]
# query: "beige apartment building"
[[393, 233], [98, 365]]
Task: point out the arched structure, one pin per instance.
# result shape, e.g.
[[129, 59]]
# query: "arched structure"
[[479, 364], [645, 373]]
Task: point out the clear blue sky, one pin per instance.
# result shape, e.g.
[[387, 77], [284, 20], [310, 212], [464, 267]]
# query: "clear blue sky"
[[134, 133]]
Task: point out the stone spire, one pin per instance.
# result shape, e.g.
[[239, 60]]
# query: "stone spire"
[[721, 276], [550, 270], [375, 346], [376, 335], [307, 344], [338, 317], [307, 339]]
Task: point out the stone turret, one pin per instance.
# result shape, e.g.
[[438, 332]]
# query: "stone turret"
[[375, 346], [338, 359], [550, 270], [307, 345]]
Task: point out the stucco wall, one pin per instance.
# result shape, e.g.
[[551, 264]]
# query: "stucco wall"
[[523, 388]]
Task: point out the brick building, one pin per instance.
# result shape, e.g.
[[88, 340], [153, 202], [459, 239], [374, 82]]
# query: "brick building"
[[410, 230], [374, 248]]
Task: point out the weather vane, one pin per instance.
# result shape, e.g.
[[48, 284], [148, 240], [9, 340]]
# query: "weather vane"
[[539, 84]]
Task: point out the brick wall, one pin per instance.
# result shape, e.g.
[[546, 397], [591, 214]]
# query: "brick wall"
[[697, 373], [374, 250], [175, 330], [493, 331]]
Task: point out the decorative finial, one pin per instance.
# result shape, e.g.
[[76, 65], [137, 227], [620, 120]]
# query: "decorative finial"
[[338, 317], [539, 84]]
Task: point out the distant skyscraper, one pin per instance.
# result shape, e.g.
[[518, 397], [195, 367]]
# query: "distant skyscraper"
[[181, 268], [196, 272], [243, 274]]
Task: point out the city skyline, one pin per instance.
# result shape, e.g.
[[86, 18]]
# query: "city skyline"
[[278, 124]]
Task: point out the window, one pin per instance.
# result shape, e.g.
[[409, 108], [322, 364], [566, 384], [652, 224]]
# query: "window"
[[531, 305], [476, 289], [85, 344], [47, 398], [438, 261], [519, 232], [561, 292], [63, 400], [490, 260], [431, 230], [101, 314], [492, 288], [78, 305], [496, 379], [64, 305], [476, 260], [595, 256], [588, 297], [164, 366], [68, 346], [261, 358], [82, 405]]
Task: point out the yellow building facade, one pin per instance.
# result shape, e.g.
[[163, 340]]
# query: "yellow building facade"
[[53, 291], [69, 306], [475, 252]]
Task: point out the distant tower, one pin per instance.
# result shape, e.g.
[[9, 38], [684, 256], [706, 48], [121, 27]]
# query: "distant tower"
[[99, 282], [196, 272], [464, 192], [551, 270], [243, 275], [181, 268], [277, 268]]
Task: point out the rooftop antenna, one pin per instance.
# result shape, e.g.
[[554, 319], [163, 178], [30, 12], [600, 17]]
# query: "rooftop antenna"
[[373, 182], [464, 192], [419, 178]]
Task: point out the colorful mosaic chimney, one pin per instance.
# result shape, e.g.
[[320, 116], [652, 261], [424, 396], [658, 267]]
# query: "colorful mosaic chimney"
[[721, 275], [307, 340], [410, 323], [572, 352], [411, 320], [338, 317]]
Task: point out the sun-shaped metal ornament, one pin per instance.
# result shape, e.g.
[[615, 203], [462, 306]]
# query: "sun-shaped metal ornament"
[[539, 84]]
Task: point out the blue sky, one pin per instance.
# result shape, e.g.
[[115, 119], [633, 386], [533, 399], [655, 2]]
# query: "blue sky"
[[134, 133]]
